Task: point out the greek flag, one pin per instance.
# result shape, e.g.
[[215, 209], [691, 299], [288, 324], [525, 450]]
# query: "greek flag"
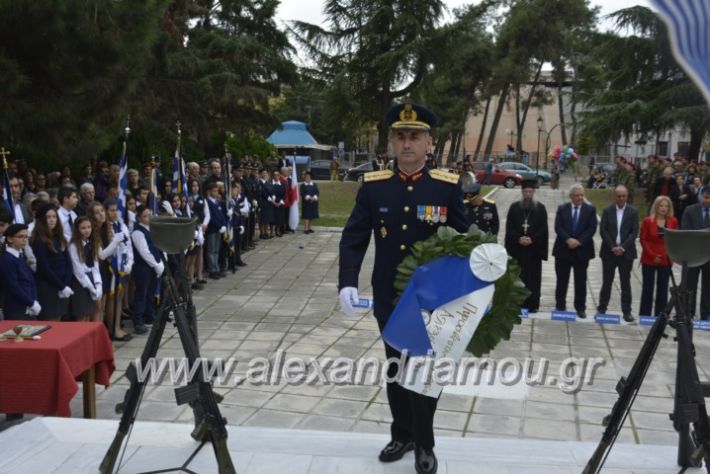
[[7, 193], [687, 22], [440, 309], [180, 179], [122, 181]]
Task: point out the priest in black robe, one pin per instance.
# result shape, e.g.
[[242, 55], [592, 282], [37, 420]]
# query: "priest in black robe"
[[526, 240]]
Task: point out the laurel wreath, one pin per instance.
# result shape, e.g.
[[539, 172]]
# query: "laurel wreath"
[[510, 291]]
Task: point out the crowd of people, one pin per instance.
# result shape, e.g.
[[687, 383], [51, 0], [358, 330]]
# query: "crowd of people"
[[81, 249], [575, 226]]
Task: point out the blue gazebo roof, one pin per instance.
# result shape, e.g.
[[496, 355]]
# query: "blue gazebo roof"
[[291, 134]]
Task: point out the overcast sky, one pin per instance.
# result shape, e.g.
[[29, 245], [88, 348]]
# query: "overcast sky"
[[310, 10]]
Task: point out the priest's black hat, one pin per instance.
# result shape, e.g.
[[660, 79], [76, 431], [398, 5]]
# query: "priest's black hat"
[[529, 183]]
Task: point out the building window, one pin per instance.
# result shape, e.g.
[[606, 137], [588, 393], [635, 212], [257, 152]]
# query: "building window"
[[662, 149]]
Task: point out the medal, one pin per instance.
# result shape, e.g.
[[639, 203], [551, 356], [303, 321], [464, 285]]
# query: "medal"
[[526, 226], [421, 212], [435, 214], [442, 214], [429, 212]]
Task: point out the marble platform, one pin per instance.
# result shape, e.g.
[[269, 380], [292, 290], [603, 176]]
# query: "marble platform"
[[65, 445]]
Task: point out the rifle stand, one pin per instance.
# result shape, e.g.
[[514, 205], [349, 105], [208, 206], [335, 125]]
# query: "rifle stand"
[[173, 235], [690, 416]]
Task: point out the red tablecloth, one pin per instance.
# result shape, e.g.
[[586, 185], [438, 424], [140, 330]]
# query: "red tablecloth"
[[40, 376]]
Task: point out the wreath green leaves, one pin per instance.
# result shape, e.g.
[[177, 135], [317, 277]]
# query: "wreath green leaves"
[[510, 292]]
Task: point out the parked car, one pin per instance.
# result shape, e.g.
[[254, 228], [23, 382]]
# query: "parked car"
[[509, 179], [355, 174], [320, 170], [526, 171]]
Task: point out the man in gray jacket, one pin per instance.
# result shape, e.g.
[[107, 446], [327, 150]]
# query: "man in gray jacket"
[[618, 229], [697, 217]]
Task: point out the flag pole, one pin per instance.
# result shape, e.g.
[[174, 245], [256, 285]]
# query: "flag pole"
[[120, 266], [7, 193]]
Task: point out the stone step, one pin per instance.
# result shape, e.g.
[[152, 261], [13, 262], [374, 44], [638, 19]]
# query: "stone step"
[[65, 445]]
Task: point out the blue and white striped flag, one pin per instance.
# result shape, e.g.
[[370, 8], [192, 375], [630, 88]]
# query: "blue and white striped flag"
[[7, 200], [687, 22], [180, 178], [122, 182]]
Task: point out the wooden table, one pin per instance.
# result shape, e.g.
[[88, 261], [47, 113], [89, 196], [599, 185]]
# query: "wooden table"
[[40, 376]]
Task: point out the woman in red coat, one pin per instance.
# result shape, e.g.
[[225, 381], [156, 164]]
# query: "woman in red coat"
[[655, 263]]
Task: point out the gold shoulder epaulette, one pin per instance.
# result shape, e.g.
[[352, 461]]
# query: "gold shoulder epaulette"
[[489, 201], [444, 176], [377, 176]]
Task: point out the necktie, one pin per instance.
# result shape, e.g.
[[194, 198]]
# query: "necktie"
[[71, 221], [89, 255], [706, 216], [575, 218]]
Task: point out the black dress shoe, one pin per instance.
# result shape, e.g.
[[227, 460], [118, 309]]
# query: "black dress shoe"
[[581, 314], [601, 310], [425, 461], [214, 276], [395, 450], [241, 264], [532, 311], [628, 318]]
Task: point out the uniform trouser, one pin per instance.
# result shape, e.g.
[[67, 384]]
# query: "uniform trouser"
[[609, 266], [654, 278], [412, 413], [692, 286], [146, 282], [212, 244], [252, 227], [563, 267]]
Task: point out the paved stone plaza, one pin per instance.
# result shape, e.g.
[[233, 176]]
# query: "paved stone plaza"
[[286, 299]]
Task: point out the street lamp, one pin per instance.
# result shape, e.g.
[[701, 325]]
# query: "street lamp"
[[537, 157]]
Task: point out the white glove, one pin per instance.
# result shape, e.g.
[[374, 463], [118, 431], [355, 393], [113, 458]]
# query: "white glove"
[[99, 293], [129, 267], [118, 237], [315, 198], [65, 292], [281, 202], [94, 293], [270, 199], [241, 229], [230, 213], [254, 203], [159, 269], [35, 309], [348, 295], [222, 230], [200, 238]]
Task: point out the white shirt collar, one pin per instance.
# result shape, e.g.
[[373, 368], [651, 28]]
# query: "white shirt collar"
[[12, 251]]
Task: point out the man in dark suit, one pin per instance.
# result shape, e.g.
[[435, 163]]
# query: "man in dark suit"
[[697, 217], [575, 226], [618, 229], [22, 213], [402, 207]]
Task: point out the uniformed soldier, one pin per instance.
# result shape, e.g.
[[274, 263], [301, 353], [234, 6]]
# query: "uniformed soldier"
[[402, 206], [653, 171], [479, 210], [628, 179]]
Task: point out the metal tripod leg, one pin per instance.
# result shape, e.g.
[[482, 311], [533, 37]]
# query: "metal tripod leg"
[[131, 400], [628, 388]]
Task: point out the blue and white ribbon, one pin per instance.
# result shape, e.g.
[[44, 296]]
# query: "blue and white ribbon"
[[440, 309]]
